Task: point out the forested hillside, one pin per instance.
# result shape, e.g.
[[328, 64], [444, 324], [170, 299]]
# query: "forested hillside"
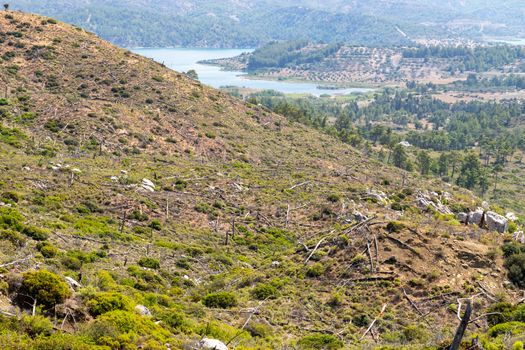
[[252, 23]]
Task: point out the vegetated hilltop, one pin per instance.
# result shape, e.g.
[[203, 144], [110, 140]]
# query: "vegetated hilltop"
[[141, 208], [212, 23], [348, 64]]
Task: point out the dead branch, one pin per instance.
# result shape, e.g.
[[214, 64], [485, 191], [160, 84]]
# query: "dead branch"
[[404, 245], [315, 249], [16, 262], [414, 306], [299, 185], [374, 321], [460, 332]]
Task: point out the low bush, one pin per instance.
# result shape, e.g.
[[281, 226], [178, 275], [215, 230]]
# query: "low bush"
[[150, 263], [104, 302], [320, 342], [45, 287], [221, 300]]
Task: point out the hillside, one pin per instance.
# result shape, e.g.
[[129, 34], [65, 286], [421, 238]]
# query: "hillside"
[[209, 23], [346, 64], [174, 211]]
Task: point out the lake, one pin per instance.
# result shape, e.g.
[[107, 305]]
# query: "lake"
[[183, 60]]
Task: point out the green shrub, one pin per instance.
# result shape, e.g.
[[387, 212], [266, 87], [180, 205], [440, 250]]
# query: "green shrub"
[[105, 302], [129, 322], [315, 270], [71, 263], [47, 288], [517, 345], [47, 249], [395, 226], [507, 328], [221, 300], [320, 342], [515, 265], [156, 225], [500, 313], [264, 291], [14, 237], [148, 262], [174, 319], [36, 325], [37, 233]]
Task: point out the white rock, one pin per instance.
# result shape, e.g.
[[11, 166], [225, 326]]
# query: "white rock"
[[358, 216], [212, 344], [114, 178], [496, 222], [405, 144], [124, 172], [76, 170], [148, 185], [72, 283], [276, 264], [511, 216], [476, 217], [142, 310]]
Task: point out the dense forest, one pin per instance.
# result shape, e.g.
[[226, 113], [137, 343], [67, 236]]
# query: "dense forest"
[[478, 58], [209, 24], [284, 54]]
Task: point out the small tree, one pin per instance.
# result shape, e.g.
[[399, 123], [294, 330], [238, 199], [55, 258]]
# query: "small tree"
[[6, 7], [45, 288]]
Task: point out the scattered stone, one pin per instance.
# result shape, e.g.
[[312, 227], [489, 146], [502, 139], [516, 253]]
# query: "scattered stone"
[[381, 197], [358, 216], [212, 344], [142, 310], [76, 171], [496, 222], [276, 264], [114, 178], [124, 172], [405, 144], [148, 185], [425, 200], [72, 283], [511, 216]]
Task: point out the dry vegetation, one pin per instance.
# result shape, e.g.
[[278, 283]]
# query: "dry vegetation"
[[245, 203]]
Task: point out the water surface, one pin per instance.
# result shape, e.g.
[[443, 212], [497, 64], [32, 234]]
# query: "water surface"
[[182, 60]]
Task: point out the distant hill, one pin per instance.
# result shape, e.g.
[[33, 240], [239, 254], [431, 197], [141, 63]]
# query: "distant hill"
[[252, 23]]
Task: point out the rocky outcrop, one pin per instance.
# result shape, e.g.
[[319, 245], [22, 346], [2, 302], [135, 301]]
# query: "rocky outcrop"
[[496, 222], [425, 200], [476, 217], [485, 219]]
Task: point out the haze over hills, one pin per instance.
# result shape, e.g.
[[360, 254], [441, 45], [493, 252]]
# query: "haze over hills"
[[140, 208], [253, 23]]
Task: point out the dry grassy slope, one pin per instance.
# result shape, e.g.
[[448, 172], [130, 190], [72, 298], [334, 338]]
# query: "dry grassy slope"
[[246, 168]]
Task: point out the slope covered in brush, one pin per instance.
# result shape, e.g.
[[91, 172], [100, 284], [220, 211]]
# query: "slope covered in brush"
[[141, 208]]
